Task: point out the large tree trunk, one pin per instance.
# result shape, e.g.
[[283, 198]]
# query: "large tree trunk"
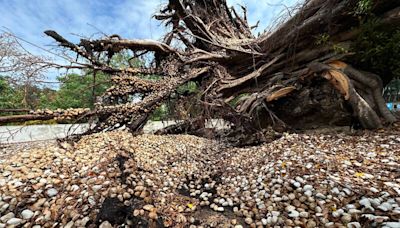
[[283, 79]]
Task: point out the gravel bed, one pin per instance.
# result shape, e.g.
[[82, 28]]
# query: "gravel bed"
[[118, 180]]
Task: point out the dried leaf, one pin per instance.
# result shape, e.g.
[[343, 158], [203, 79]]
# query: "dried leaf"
[[359, 174]]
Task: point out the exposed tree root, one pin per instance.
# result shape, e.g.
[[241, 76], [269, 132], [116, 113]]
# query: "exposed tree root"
[[286, 79]]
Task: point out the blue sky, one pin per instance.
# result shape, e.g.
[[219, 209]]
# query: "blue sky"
[[128, 18]]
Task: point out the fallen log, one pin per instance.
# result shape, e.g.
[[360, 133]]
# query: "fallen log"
[[23, 118], [14, 110], [297, 76]]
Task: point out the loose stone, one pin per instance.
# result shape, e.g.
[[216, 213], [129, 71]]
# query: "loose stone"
[[105, 224], [294, 214], [7, 217], [27, 214], [14, 221], [52, 192]]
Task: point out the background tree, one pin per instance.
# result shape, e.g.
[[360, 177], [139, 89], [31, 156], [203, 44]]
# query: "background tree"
[[22, 68], [76, 90], [9, 97]]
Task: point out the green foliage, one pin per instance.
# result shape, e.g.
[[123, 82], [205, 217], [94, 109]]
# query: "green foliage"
[[340, 48], [322, 39], [161, 113], [76, 90], [377, 50], [235, 101], [187, 88], [9, 96], [166, 109], [123, 60], [47, 99], [363, 7]]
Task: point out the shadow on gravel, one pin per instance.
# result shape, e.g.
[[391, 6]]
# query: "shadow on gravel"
[[113, 211], [117, 213]]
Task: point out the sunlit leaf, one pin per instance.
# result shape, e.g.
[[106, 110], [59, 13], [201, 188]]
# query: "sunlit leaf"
[[359, 174]]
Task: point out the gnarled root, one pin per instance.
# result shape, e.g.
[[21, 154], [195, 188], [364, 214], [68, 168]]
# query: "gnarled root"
[[368, 104]]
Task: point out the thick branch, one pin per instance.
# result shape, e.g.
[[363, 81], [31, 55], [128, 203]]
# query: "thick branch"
[[23, 118]]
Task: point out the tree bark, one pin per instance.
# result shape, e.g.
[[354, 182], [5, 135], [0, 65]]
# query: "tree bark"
[[23, 118], [287, 79]]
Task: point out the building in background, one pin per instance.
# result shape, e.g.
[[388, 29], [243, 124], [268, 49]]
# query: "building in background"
[[391, 93]]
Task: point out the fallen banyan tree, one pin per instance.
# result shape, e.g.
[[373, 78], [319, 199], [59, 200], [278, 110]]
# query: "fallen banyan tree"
[[285, 78]]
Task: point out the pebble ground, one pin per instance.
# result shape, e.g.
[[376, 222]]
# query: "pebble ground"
[[118, 180]]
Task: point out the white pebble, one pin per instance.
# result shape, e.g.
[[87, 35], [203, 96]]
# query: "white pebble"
[[320, 195], [264, 221], [385, 194], [69, 225], [335, 191], [294, 214], [299, 179], [347, 191], [274, 219], [335, 214], [275, 213], [14, 221], [52, 192], [375, 202], [307, 187], [18, 184], [354, 211], [27, 214], [96, 187], [366, 203], [91, 200], [350, 206], [346, 218], [372, 217], [329, 224], [7, 217], [105, 224], [304, 214], [385, 206], [374, 190], [354, 225], [248, 220], [392, 224], [290, 208], [308, 193], [75, 187]]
